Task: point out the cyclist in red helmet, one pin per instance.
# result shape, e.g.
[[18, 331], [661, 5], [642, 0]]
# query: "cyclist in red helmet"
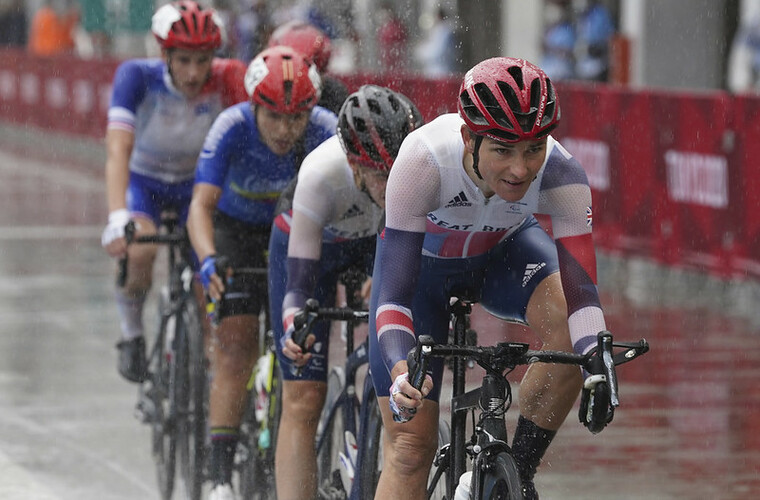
[[460, 207], [337, 206], [314, 44], [251, 153], [159, 114]]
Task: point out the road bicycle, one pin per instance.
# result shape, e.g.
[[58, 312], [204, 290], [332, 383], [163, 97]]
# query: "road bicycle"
[[347, 423], [173, 398], [254, 457], [494, 471]]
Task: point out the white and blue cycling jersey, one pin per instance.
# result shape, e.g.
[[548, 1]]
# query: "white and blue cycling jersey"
[[250, 175], [169, 128]]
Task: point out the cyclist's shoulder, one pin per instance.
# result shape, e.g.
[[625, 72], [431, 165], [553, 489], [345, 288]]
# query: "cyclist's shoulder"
[[227, 76], [561, 167], [326, 166], [322, 120]]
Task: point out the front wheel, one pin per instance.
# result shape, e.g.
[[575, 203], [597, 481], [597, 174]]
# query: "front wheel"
[[195, 401], [330, 439], [163, 436], [501, 480]]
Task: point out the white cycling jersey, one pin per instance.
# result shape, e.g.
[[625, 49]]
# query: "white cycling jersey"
[[327, 195], [430, 192]]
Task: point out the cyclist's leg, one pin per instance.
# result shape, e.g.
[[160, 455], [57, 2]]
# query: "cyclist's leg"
[[523, 284], [409, 448], [234, 344], [302, 397], [130, 299]]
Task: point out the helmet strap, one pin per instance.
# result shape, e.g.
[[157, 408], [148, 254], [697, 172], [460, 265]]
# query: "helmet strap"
[[476, 156]]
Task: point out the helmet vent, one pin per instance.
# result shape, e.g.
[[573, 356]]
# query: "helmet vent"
[[517, 74], [492, 104], [472, 112]]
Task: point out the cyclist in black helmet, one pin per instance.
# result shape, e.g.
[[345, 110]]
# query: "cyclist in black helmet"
[[337, 207]]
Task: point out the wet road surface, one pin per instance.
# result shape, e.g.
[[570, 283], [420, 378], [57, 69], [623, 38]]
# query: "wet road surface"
[[688, 426]]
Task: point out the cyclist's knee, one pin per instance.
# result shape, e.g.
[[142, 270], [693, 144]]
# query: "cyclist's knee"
[[303, 401], [413, 444]]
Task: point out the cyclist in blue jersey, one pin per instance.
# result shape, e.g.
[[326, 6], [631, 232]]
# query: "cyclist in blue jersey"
[[460, 208], [251, 153], [337, 207], [160, 112]]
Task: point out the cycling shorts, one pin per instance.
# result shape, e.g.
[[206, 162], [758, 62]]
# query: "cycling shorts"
[[245, 246], [336, 258], [502, 281], [149, 197]]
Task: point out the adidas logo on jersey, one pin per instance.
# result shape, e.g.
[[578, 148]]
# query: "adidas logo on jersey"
[[530, 271], [354, 211], [459, 200]]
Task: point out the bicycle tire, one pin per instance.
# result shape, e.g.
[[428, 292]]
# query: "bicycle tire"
[[163, 438], [439, 490], [193, 400], [179, 394], [256, 460], [371, 449], [501, 481], [331, 438]]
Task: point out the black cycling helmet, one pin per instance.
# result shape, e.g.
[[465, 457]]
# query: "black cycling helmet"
[[373, 123]]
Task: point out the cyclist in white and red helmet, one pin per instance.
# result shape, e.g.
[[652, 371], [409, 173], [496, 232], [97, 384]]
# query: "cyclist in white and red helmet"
[[460, 207], [252, 152], [337, 207], [159, 114]]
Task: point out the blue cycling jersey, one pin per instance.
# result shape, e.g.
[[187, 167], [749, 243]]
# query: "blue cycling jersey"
[[251, 176]]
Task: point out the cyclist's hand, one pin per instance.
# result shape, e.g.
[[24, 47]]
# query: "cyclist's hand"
[[405, 399], [595, 411], [113, 235], [212, 283], [293, 351]]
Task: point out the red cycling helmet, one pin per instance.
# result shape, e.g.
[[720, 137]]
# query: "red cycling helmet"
[[508, 100], [283, 80], [307, 39], [373, 123], [186, 25]]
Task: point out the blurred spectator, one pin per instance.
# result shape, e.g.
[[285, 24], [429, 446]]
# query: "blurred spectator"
[[252, 29], [595, 30], [559, 40], [314, 44], [52, 32], [94, 39], [438, 52], [391, 40], [744, 59], [12, 23]]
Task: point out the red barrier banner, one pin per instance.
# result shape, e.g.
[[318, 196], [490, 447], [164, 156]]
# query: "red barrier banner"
[[62, 93], [745, 170]]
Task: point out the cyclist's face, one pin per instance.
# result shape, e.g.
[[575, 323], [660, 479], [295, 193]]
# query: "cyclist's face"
[[190, 69], [279, 131], [508, 169], [374, 181]]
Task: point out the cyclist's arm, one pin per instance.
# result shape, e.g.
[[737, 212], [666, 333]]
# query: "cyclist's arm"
[[566, 196], [119, 144], [412, 192], [200, 225]]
